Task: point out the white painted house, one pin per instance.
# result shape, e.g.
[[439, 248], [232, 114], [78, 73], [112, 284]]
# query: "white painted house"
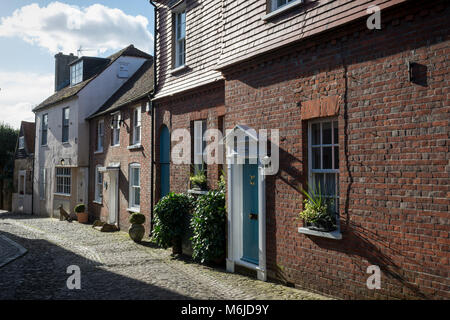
[[62, 134]]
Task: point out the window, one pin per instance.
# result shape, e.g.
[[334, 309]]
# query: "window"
[[115, 141], [323, 147], [76, 73], [137, 126], [180, 39], [199, 144], [65, 125], [98, 185], [135, 186], [277, 4], [42, 183], [21, 142], [100, 135], [44, 129], [123, 70], [63, 180]]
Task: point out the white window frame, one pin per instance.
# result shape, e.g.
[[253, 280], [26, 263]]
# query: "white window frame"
[[21, 142], [65, 124], [180, 38], [76, 73], [98, 184], [199, 141], [100, 135], [62, 175], [43, 183], [44, 132], [137, 121], [334, 146], [115, 136], [133, 186], [274, 9]]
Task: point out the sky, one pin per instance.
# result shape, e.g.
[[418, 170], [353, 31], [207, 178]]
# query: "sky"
[[32, 32]]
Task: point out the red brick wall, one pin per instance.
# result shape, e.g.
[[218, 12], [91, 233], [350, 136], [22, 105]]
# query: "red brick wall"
[[178, 112], [394, 153], [125, 157]]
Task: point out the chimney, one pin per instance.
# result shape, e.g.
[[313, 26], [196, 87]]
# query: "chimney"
[[62, 70]]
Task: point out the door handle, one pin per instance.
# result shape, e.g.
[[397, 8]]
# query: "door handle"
[[253, 216]]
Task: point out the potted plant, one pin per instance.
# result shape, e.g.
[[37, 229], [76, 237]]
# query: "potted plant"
[[199, 180], [317, 213], [169, 214], [137, 230], [82, 215]]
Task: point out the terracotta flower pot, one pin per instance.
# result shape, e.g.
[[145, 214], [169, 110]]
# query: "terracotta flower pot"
[[82, 217]]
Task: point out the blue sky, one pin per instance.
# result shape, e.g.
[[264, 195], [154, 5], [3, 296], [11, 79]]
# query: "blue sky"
[[32, 32]]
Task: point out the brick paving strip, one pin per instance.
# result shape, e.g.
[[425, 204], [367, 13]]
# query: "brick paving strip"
[[114, 267], [9, 250]]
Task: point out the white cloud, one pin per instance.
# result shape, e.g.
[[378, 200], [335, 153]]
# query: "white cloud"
[[20, 92], [63, 27]]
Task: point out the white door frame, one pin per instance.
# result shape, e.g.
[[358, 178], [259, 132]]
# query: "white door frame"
[[113, 197], [235, 219]]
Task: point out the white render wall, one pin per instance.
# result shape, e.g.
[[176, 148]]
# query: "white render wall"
[[76, 151]]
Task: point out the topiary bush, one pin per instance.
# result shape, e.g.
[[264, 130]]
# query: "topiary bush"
[[137, 218], [208, 226], [169, 213], [80, 208]]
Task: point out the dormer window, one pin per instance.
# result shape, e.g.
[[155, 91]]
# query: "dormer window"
[[123, 70], [76, 73], [21, 142]]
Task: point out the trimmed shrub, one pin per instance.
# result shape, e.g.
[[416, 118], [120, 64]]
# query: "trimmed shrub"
[[169, 214], [208, 225], [80, 208], [137, 218]]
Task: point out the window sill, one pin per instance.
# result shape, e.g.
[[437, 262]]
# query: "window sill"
[[281, 10], [62, 194], [135, 147], [98, 152], [179, 69], [98, 202], [134, 210], [336, 235], [67, 143], [198, 191], [115, 146]]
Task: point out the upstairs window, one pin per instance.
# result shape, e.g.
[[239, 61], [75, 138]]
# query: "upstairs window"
[[277, 4], [63, 181], [22, 142], [137, 126], [76, 73], [115, 128], [65, 125], [100, 135], [180, 38], [44, 129]]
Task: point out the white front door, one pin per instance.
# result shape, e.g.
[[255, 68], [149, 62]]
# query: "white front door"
[[113, 197]]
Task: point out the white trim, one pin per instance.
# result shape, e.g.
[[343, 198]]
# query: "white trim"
[[337, 235], [97, 196], [100, 136], [131, 199]]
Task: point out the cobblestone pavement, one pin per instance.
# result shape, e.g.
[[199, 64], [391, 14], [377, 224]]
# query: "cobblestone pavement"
[[114, 267]]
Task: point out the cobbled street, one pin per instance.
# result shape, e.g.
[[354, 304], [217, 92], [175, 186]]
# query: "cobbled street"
[[113, 267]]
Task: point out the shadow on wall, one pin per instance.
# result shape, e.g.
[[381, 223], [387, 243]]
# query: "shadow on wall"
[[41, 274]]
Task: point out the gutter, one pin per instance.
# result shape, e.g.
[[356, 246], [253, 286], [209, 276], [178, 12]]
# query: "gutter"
[[152, 135]]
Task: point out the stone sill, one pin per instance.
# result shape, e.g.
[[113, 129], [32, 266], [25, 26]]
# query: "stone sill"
[[178, 69], [198, 191], [135, 147], [336, 235], [281, 10], [134, 210], [62, 195], [98, 152], [97, 202]]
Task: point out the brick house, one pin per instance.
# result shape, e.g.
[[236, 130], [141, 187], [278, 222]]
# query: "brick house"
[[22, 198], [364, 111], [120, 152]]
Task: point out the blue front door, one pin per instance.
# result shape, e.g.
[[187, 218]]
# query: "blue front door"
[[164, 160], [250, 213]]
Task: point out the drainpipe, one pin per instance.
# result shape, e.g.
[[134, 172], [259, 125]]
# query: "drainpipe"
[[152, 135], [34, 166]]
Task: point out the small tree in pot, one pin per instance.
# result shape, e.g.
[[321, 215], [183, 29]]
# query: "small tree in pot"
[[169, 214], [199, 180], [136, 230], [317, 213], [82, 215]]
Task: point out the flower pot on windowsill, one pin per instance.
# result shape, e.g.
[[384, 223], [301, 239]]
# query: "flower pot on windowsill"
[[319, 226]]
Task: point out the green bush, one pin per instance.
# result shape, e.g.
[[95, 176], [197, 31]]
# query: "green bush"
[[80, 208], [169, 214], [208, 226], [137, 218]]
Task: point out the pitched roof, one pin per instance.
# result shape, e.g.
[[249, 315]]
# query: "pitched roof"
[[28, 131], [137, 87], [71, 91]]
